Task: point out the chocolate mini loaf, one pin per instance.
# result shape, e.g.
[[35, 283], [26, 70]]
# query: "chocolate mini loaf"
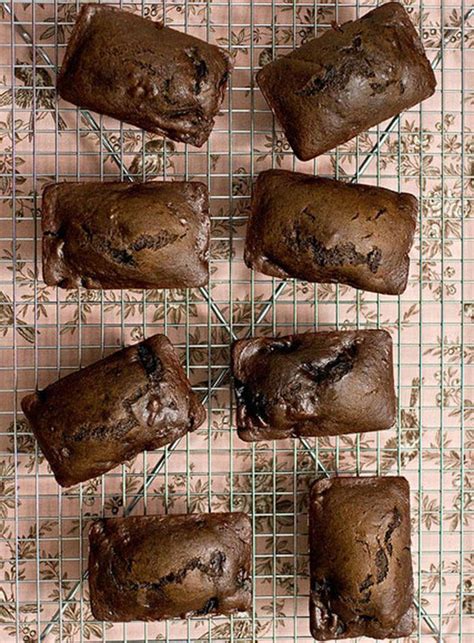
[[361, 571], [143, 73], [326, 231], [352, 77], [97, 418], [157, 567], [314, 384], [126, 235]]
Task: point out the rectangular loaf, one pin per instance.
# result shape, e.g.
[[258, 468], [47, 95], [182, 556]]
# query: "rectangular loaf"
[[126, 235], [352, 77], [92, 420], [360, 560], [326, 231], [158, 567], [314, 384], [141, 72]]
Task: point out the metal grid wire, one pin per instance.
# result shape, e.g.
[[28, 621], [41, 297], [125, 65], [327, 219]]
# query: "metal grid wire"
[[46, 333]]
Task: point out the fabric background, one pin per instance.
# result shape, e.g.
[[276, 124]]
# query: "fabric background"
[[46, 333]]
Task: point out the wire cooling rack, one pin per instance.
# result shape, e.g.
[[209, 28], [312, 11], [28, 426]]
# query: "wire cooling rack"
[[46, 333]]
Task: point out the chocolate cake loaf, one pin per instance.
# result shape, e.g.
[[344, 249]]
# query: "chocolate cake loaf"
[[158, 567], [361, 571], [141, 72], [126, 235], [326, 231], [314, 384], [97, 418], [352, 77]]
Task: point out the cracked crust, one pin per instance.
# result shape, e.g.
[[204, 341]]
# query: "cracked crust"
[[97, 418], [351, 78], [326, 231], [158, 567], [143, 73], [361, 570], [313, 384], [121, 235]]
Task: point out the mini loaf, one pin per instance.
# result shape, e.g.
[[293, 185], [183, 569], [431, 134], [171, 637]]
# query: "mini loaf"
[[327, 231], [157, 567], [361, 571], [97, 418], [123, 235], [314, 384], [352, 77], [143, 73]]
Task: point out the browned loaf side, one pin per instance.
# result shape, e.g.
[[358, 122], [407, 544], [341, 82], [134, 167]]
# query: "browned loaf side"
[[360, 560], [351, 78], [314, 384], [141, 72], [94, 419], [159, 567], [122, 235], [326, 231]]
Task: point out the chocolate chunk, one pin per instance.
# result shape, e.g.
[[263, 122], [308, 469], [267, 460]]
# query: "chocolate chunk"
[[347, 80], [158, 567], [143, 73], [97, 418], [360, 586], [325, 383], [327, 231], [150, 362]]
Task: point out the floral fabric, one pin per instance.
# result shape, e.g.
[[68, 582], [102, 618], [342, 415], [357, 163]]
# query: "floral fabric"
[[46, 332]]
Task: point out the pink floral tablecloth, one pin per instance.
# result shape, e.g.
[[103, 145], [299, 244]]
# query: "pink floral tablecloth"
[[45, 333]]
